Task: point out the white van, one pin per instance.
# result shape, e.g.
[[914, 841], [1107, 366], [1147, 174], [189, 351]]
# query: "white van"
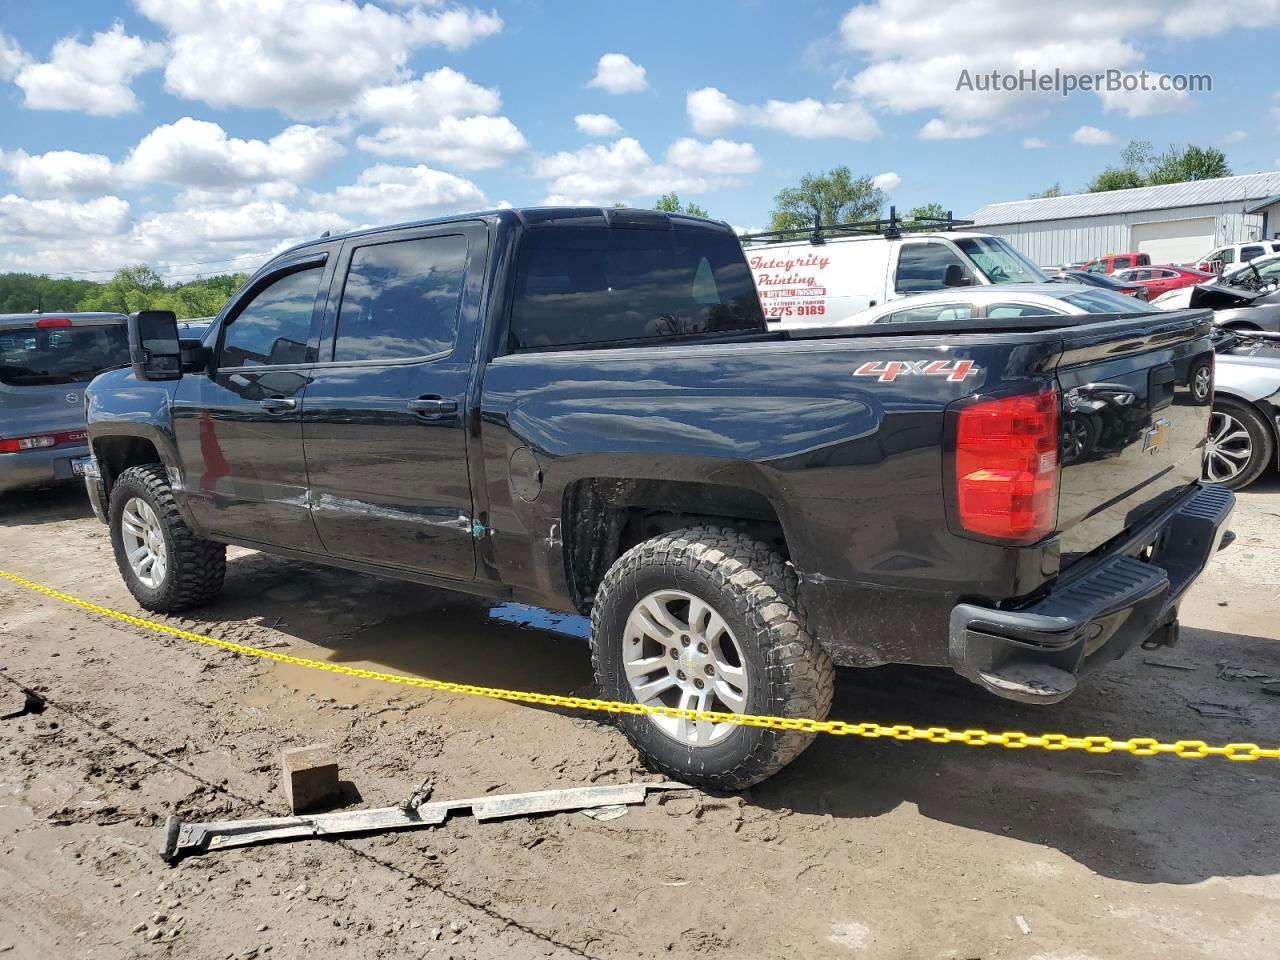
[[1223, 258], [825, 278]]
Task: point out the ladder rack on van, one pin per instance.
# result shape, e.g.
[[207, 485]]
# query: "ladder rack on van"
[[890, 228]]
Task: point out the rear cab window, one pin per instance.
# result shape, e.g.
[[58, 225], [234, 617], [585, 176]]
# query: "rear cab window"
[[40, 355], [1107, 301], [581, 286], [401, 299]]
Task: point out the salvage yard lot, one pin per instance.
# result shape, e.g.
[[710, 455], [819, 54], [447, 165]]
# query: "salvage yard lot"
[[859, 848]]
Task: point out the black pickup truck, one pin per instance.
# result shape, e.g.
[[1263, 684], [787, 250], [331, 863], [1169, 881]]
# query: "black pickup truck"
[[583, 409]]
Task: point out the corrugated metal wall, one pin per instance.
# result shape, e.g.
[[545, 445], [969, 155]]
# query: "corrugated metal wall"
[[1059, 242]]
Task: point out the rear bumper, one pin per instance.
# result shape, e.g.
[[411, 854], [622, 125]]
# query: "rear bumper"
[[1126, 597], [37, 468]]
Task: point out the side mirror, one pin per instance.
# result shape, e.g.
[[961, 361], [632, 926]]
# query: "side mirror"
[[154, 348], [956, 276]]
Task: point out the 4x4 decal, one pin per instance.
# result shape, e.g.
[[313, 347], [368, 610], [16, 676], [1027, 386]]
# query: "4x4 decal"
[[886, 371]]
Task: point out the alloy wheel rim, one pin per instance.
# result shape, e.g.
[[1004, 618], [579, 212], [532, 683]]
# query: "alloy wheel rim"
[[144, 544], [1204, 379], [679, 652], [1228, 450]]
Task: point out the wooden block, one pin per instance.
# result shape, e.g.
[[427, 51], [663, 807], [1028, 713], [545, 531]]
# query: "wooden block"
[[310, 777]]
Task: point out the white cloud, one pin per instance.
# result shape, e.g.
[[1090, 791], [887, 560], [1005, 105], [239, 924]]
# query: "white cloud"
[[307, 58], [442, 117], [59, 172], [712, 111], [618, 73], [1236, 136], [624, 171], [1034, 143], [12, 57], [939, 129], [93, 77], [433, 96], [1145, 103], [717, 157], [469, 143], [887, 181], [597, 124], [199, 153], [23, 219], [383, 193], [1093, 136], [915, 58]]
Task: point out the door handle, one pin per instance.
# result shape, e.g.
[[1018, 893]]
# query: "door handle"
[[432, 406], [278, 404]]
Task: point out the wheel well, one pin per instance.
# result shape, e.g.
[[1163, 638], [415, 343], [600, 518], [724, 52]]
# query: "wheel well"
[[604, 518], [115, 455]]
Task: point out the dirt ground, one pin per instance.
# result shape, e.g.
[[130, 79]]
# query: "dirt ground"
[[860, 849]]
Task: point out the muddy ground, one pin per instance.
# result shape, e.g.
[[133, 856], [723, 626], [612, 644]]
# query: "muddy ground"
[[860, 849]]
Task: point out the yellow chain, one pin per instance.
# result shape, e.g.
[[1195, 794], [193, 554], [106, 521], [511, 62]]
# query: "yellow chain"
[[1138, 746]]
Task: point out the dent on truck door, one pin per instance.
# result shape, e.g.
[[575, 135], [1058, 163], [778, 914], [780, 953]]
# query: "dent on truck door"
[[383, 421], [239, 431]]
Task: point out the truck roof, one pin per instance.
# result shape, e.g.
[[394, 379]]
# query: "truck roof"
[[528, 216], [854, 238]]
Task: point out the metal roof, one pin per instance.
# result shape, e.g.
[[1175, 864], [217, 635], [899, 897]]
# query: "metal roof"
[[1249, 187]]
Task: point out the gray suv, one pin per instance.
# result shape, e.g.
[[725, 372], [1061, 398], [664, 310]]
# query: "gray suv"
[[46, 361]]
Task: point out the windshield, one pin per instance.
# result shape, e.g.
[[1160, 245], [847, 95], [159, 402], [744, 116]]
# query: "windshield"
[[1105, 301], [30, 356], [1000, 262]]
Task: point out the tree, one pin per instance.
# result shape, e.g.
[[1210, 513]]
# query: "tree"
[[932, 210], [130, 290], [835, 197], [670, 203], [1142, 167], [1189, 163], [1053, 191], [1114, 178]]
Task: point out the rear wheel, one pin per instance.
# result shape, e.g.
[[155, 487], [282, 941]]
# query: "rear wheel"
[[1240, 444], [166, 567], [707, 619]]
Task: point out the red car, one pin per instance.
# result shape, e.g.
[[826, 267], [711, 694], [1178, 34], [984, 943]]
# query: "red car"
[[1115, 261], [1163, 278]]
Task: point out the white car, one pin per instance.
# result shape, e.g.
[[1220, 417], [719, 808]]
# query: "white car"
[[998, 303], [810, 282]]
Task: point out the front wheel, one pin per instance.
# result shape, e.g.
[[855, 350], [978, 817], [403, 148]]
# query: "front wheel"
[[707, 619], [166, 567], [1240, 444]]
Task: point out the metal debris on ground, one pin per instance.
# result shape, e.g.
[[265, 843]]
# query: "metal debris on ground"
[[1168, 664], [1224, 711], [605, 814], [1023, 926], [183, 838], [1228, 672]]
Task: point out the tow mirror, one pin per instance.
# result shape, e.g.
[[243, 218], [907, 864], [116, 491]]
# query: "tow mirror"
[[956, 276], [154, 348]]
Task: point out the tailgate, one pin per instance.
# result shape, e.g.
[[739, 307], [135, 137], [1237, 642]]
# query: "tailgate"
[[1135, 413]]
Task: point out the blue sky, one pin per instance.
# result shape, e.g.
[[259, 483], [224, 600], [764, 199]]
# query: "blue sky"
[[199, 135]]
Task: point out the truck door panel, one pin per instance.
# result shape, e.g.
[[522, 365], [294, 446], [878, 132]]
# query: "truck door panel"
[[383, 421], [239, 430]]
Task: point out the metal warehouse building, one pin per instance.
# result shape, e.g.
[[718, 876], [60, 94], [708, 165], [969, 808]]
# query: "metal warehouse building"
[[1175, 223]]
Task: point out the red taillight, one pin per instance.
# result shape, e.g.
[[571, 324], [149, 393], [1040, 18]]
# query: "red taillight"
[[1007, 467], [44, 323], [40, 441]]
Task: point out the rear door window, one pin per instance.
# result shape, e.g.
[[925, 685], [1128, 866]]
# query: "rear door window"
[[1248, 253], [1006, 311], [933, 313], [923, 266], [274, 327], [579, 286], [401, 299], [34, 356]]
